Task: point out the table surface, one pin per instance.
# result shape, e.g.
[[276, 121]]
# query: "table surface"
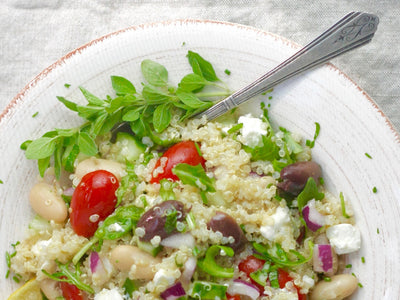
[[34, 34]]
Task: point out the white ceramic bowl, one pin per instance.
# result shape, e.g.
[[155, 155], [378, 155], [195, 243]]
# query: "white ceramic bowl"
[[351, 125]]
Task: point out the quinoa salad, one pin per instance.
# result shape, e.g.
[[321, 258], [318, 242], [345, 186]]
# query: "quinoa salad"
[[145, 201]]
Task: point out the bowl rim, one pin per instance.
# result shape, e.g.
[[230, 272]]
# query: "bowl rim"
[[64, 59]]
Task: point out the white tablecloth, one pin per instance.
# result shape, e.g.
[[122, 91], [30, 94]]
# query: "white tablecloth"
[[35, 33]]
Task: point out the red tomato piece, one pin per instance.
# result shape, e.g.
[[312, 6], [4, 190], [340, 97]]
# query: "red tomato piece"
[[93, 200], [232, 297], [249, 265], [283, 278], [182, 152], [71, 292]]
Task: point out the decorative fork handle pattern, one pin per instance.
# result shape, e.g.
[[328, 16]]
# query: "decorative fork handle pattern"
[[352, 31]]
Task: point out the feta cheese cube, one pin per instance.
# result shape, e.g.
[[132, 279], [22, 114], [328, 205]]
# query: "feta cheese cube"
[[163, 278], [280, 219], [106, 294], [252, 131], [344, 238]]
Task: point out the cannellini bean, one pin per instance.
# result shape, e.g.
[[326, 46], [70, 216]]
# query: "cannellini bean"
[[50, 289], [340, 287], [47, 203], [93, 164], [123, 257]]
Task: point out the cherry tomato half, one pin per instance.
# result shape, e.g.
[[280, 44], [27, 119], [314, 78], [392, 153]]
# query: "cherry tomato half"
[[93, 200], [232, 297], [182, 152], [71, 292], [283, 278]]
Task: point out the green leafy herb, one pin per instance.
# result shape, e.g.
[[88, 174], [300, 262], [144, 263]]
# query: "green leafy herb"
[[367, 155], [1, 181], [120, 223], [281, 258], [309, 192], [72, 277], [377, 230], [210, 266], [8, 258], [363, 259], [311, 144], [201, 66], [327, 279], [167, 189], [348, 266], [67, 85], [343, 205], [260, 276], [235, 128], [208, 290], [374, 190], [360, 285], [149, 112], [227, 72], [35, 114]]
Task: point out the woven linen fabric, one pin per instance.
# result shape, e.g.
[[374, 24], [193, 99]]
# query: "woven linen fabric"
[[34, 34]]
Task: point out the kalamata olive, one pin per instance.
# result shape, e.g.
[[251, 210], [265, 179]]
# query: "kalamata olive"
[[294, 177], [227, 225], [161, 219]]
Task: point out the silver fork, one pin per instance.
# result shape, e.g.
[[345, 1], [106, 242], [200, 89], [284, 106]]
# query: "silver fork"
[[352, 31]]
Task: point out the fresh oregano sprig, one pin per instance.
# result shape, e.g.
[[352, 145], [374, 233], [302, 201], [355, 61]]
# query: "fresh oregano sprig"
[[149, 113]]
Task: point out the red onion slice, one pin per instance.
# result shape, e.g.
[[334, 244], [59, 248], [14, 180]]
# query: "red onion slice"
[[188, 270], [322, 258], [94, 261], [173, 292], [312, 217], [241, 287]]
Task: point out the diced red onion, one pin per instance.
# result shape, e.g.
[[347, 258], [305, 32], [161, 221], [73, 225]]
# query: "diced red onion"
[[94, 261], [188, 270], [241, 287], [322, 258], [69, 191], [312, 217], [173, 292], [177, 240]]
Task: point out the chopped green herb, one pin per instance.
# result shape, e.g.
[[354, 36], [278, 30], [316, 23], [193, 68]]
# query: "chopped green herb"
[[208, 290], [374, 190], [327, 279], [183, 43], [67, 85], [17, 278], [1, 181], [8, 258], [348, 266], [343, 206], [227, 72], [309, 192], [377, 230], [35, 114], [191, 221], [363, 259], [171, 220], [360, 285], [367, 155], [311, 144], [321, 181], [270, 98], [198, 149], [167, 189], [195, 251], [130, 286]]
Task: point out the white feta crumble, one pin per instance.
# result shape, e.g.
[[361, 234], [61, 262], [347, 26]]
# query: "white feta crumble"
[[280, 219], [108, 295], [344, 238], [163, 278], [252, 131]]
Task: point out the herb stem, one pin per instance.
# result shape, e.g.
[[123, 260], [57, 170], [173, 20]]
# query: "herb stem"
[[84, 249]]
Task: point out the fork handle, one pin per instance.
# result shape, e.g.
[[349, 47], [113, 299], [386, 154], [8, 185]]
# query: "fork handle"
[[352, 31]]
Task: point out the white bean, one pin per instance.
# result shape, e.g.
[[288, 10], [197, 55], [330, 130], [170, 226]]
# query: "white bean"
[[47, 203], [123, 257], [50, 289], [338, 288], [93, 164]]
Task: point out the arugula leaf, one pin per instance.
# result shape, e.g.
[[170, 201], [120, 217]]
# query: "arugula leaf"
[[155, 73], [194, 176], [72, 277], [309, 192], [119, 223], [122, 86], [311, 144], [201, 66]]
